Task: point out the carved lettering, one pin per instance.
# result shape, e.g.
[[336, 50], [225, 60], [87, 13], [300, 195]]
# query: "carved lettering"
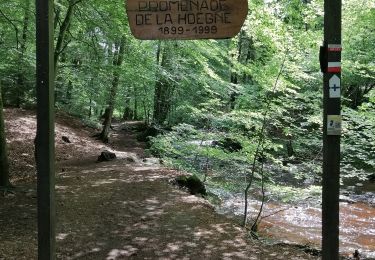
[[186, 19]]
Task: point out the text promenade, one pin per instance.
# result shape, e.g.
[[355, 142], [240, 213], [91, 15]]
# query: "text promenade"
[[186, 19]]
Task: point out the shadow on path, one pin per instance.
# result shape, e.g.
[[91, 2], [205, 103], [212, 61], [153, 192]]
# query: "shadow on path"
[[127, 209]]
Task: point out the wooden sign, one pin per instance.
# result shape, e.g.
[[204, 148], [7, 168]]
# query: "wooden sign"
[[186, 19]]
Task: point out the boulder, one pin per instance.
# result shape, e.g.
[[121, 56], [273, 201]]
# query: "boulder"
[[151, 131], [228, 144], [106, 156], [192, 183], [66, 139]]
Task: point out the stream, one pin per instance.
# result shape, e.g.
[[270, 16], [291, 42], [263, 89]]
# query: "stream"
[[302, 224], [298, 220]]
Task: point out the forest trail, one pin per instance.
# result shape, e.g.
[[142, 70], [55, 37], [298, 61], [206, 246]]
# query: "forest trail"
[[125, 209]]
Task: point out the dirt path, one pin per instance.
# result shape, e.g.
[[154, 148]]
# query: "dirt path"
[[127, 209]]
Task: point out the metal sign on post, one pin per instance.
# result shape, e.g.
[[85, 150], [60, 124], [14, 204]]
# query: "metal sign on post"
[[330, 60], [186, 19], [334, 123], [334, 87], [45, 137]]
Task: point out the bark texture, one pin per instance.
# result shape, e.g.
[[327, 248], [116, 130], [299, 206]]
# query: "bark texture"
[[4, 164], [117, 62]]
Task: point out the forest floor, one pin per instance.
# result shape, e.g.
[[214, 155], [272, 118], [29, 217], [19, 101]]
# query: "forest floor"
[[123, 209]]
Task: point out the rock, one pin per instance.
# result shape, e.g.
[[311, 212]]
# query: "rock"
[[228, 144], [140, 127], [106, 156], [151, 131], [346, 199], [66, 139], [129, 159], [367, 197], [356, 254], [193, 184], [291, 160]]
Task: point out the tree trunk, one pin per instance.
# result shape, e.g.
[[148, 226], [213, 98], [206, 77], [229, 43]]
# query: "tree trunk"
[[4, 164], [245, 52], [68, 94], [128, 115], [90, 108], [356, 94], [234, 74], [117, 62], [164, 88], [63, 30], [146, 107], [20, 74], [135, 110]]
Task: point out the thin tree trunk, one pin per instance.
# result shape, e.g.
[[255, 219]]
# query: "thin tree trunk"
[[57, 12], [164, 88], [90, 108], [146, 107], [117, 62], [261, 140], [254, 227], [127, 111], [20, 74], [4, 164], [234, 74], [135, 112], [63, 30]]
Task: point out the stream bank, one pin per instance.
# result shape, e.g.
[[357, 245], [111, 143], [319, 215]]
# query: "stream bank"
[[300, 223]]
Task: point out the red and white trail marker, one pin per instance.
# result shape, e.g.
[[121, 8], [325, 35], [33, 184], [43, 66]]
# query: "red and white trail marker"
[[334, 67], [334, 47]]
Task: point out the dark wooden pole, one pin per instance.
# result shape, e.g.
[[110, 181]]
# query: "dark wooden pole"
[[4, 164], [44, 142], [331, 65]]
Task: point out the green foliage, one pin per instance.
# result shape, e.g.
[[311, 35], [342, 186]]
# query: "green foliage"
[[196, 149], [358, 147], [294, 195], [358, 51]]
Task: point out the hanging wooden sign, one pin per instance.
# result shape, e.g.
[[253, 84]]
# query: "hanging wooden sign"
[[186, 19]]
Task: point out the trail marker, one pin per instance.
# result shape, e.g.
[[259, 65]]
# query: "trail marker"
[[186, 19], [334, 67], [334, 87], [334, 123], [334, 47]]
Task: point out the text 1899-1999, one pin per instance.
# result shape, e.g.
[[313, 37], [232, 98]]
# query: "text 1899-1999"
[[181, 30]]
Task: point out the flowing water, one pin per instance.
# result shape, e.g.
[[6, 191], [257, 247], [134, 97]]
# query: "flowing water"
[[302, 224]]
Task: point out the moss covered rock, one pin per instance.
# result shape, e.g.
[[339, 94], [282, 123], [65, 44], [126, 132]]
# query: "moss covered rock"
[[193, 184]]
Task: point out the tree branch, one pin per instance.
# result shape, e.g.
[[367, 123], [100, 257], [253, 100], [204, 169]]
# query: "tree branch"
[[261, 139], [15, 27]]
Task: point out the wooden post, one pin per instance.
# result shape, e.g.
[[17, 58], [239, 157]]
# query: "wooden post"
[[4, 164], [331, 66], [45, 140]]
